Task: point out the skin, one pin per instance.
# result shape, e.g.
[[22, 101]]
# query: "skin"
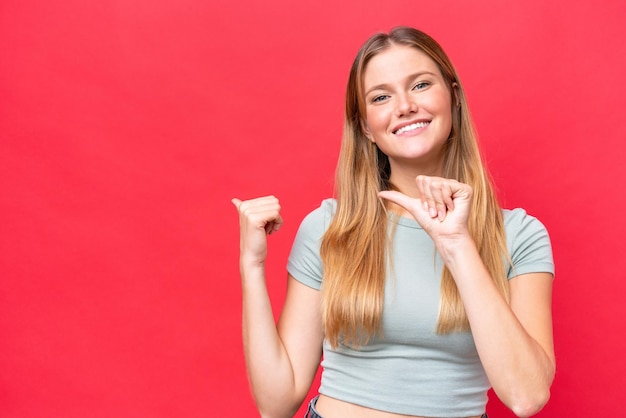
[[403, 86], [514, 341], [281, 358]]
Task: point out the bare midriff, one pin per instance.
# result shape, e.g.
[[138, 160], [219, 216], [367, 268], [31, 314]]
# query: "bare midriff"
[[334, 408]]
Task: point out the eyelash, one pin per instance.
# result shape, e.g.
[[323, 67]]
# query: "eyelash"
[[419, 86], [379, 98]]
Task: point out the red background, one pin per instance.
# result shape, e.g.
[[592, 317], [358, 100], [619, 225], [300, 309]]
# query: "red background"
[[126, 127]]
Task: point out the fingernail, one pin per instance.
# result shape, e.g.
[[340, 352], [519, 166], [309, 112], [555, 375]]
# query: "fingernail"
[[432, 212], [440, 215]]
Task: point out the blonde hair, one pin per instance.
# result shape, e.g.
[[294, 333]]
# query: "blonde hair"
[[355, 246]]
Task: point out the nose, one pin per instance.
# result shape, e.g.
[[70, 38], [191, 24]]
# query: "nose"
[[405, 105]]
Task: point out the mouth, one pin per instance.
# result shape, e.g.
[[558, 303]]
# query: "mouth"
[[411, 127]]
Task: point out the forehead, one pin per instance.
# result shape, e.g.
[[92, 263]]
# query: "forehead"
[[395, 64]]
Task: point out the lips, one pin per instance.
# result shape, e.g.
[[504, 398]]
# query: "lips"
[[411, 127]]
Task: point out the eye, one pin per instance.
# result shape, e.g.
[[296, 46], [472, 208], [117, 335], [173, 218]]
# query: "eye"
[[379, 98], [421, 85]]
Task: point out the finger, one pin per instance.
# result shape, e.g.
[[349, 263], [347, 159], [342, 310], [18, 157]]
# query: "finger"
[[399, 199], [441, 194], [462, 191], [263, 212], [424, 187], [447, 198], [274, 225], [449, 201], [236, 202], [429, 206], [278, 223], [257, 205]]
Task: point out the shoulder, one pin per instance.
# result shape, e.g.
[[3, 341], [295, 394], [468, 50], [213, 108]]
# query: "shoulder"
[[304, 263], [326, 209], [528, 243], [317, 220], [518, 221]]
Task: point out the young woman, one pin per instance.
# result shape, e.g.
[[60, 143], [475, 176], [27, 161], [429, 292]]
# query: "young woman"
[[419, 291]]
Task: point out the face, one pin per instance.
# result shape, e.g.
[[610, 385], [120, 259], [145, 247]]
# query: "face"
[[408, 108]]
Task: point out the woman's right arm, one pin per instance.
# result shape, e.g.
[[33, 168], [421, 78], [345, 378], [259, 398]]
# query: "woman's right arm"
[[281, 359]]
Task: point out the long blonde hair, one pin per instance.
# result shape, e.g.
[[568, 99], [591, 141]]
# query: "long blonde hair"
[[355, 246]]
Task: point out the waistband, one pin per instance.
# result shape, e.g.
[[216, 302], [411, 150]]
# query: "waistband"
[[312, 412]]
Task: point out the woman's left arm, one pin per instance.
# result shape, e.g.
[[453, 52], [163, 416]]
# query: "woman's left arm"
[[514, 341]]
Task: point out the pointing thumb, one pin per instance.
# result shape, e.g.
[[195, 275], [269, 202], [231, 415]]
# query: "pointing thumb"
[[398, 198]]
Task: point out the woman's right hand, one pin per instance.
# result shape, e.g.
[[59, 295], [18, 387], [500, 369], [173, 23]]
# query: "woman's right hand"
[[257, 218]]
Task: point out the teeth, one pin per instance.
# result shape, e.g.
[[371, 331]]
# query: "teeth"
[[411, 127]]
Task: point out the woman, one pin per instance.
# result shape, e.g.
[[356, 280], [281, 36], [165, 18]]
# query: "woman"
[[387, 280]]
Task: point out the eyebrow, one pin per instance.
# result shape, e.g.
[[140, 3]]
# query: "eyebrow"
[[385, 86]]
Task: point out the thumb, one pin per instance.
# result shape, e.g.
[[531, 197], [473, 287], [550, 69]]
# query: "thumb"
[[399, 198], [236, 202]]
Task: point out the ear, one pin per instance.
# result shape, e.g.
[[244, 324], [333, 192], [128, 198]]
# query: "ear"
[[456, 94], [366, 131]]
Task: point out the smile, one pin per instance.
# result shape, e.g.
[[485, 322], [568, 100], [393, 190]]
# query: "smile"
[[411, 127]]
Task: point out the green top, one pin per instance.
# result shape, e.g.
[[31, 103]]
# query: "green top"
[[411, 369]]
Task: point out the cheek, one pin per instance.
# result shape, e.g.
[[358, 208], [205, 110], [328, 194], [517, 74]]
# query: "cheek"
[[377, 119], [443, 106], [440, 102]]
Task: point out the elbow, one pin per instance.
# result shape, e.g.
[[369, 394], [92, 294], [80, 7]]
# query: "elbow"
[[276, 408], [273, 413], [264, 414], [528, 406], [528, 399]]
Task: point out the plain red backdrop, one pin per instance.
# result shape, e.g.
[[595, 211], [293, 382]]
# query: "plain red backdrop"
[[126, 127]]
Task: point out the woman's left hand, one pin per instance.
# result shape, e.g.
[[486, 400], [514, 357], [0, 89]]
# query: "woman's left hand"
[[441, 207]]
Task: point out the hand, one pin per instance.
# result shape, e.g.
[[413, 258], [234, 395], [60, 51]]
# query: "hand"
[[442, 206], [257, 219]]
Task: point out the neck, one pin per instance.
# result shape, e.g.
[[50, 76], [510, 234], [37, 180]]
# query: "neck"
[[403, 175]]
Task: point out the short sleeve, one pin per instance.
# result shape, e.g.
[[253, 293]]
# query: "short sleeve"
[[528, 243], [304, 263]]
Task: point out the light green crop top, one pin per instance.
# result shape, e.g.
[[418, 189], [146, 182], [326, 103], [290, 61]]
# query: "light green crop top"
[[412, 370]]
